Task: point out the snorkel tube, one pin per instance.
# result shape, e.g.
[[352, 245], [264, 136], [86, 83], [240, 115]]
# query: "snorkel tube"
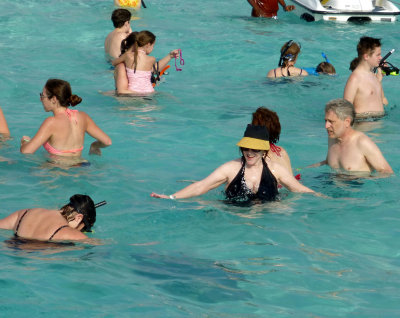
[[100, 204], [325, 57], [387, 68], [280, 63]]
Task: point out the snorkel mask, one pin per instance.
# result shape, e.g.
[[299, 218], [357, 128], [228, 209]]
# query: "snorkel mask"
[[388, 68]]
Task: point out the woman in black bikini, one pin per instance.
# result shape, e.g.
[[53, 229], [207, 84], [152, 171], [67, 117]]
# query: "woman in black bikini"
[[289, 52], [68, 223], [253, 176]]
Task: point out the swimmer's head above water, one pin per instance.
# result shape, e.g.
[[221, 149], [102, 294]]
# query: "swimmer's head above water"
[[366, 46], [256, 139], [119, 17], [289, 52], [325, 68], [342, 108], [268, 118], [84, 205], [62, 91]]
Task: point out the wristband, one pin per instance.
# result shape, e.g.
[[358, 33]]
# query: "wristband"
[[171, 197]]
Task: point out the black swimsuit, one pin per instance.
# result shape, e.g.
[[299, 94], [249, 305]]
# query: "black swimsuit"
[[237, 190], [301, 72], [19, 223]]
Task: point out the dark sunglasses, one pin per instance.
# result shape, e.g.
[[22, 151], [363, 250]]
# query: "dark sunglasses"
[[249, 149]]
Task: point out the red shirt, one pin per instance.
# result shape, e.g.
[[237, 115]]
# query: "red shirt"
[[264, 8]]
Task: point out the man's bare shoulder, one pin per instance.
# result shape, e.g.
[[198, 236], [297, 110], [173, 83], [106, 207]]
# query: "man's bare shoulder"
[[363, 140], [356, 76]]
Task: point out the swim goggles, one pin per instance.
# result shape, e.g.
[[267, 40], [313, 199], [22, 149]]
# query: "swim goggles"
[[181, 60]]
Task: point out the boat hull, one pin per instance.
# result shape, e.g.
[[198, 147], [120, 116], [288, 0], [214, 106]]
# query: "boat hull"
[[312, 10]]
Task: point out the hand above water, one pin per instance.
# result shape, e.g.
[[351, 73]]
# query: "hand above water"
[[159, 196], [289, 8]]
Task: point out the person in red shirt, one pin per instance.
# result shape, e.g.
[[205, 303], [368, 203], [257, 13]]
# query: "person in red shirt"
[[268, 8]]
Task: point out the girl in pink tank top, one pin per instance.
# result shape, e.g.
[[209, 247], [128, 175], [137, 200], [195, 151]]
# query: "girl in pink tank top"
[[135, 51]]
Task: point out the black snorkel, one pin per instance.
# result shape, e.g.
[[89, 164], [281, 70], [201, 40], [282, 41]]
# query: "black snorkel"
[[97, 205]]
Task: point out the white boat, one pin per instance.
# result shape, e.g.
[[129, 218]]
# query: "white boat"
[[345, 10]]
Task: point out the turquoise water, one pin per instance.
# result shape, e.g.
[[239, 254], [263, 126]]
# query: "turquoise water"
[[304, 256]]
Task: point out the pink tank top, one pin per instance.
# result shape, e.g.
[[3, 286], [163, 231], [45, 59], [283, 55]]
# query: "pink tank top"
[[139, 81]]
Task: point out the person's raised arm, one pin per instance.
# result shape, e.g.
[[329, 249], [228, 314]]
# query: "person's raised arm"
[[44, 133], [103, 140], [165, 60], [119, 60], [374, 156], [215, 179], [3, 124]]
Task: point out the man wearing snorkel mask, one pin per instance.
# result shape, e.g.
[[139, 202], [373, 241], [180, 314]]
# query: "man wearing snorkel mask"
[[268, 8], [364, 88]]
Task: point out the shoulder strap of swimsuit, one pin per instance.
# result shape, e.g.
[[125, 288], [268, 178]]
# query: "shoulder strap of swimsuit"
[[301, 71], [56, 231], [275, 72], [288, 71], [19, 222], [282, 72]]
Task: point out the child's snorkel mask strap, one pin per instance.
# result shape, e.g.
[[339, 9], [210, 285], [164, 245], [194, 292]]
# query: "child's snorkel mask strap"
[[284, 51]]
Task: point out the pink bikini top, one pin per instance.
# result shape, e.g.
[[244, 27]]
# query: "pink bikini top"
[[71, 114]]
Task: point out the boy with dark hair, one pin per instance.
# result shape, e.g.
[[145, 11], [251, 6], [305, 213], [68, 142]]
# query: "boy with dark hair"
[[364, 88], [121, 20]]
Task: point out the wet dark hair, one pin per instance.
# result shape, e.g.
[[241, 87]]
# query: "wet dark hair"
[[84, 205], [119, 17], [268, 118], [325, 68], [136, 40], [128, 42], [62, 91], [366, 45]]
